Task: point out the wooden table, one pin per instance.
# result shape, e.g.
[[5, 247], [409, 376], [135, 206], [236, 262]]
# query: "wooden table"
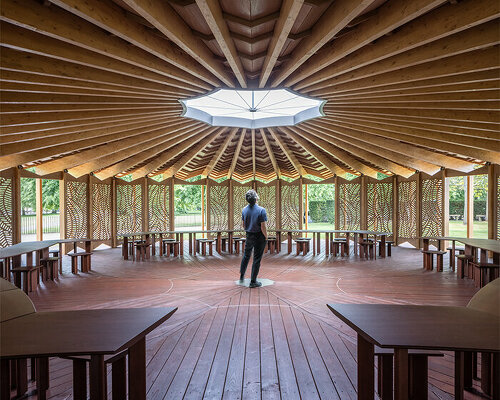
[[403, 327], [84, 332], [471, 246]]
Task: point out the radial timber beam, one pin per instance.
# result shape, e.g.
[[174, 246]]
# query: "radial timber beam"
[[212, 13], [236, 154], [271, 154], [218, 154], [334, 19], [388, 17], [164, 18], [289, 154], [289, 11]]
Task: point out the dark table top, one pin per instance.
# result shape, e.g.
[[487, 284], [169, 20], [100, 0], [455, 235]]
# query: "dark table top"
[[422, 327], [486, 244], [28, 247], [79, 332]]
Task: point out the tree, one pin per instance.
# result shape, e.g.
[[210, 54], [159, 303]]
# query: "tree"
[[50, 194]]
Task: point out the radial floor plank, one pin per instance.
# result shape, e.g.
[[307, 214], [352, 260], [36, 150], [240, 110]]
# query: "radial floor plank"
[[231, 342]]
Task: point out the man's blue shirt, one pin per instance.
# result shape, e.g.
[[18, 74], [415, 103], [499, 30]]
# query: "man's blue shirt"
[[253, 216]]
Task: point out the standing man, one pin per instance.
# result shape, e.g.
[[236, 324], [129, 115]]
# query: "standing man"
[[254, 222]]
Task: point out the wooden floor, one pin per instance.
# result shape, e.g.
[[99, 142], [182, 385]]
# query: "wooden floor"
[[231, 342]]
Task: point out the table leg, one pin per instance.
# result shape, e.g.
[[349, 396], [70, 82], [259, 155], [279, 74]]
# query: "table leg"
[[483, 258], [418, 377], [42, 377], [5, 378], [318, 243], [137, 370], [452, 260], [21, 376], [366, 373], [289, 239], [327, 243], [160, 250], [153, 244], [230, 242], [400, 374], [314, 243], [459, 375], [79, 379], [383, 247], [195, 247], [97, 375], [125, 248], [119, 378], [190, 243], [425, 242], [181, 244], [219, 242], [348, 244]]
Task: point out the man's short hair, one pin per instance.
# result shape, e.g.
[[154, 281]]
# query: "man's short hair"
[[252, 196]]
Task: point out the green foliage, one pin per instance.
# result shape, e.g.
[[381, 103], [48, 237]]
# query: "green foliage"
[[126, 178], [50, 194], [457, 188], [187, 198], [322, 211]]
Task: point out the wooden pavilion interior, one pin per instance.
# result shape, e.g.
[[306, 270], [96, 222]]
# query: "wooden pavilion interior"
[[90, 96]]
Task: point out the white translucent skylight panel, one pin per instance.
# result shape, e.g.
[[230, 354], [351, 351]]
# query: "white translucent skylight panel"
[[252, 109]]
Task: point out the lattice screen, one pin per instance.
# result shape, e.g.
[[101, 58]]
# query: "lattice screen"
[[432, 207], [76, 209], [267, 199], [498, 207], [349, 206], [6, 212], [379, 200], [290, 206], [238, 203], [158, 210], [407, 210], [219, 207], [101, 211], [128, 208]]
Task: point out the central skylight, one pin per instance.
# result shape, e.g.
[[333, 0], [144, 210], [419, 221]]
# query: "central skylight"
[[252, 108]]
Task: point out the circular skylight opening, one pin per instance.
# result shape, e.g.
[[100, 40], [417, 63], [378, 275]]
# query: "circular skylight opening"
[[252, 108]]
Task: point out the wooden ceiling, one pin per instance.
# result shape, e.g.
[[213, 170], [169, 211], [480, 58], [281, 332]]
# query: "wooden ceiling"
[[92, 86]]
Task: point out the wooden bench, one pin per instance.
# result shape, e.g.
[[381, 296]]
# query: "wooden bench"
[[339, 245], [84, 263], [484, 273], [463, 265], [389, 244], [428, 259], [272, 244], [302, 245], [142, 250], [461, 250], [26, 278], [224, 240], [237, 242], [171, 246], [203, 244], [366, 249], [417, 362], [50, 266]]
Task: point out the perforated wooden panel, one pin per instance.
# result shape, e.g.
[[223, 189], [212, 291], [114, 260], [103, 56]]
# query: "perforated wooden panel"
[[290, 206], [238, 203], [349, 205], [101, 211], [379, 198], [128, 208], [267, 199], [407, 210], [498, 207], [219, 207], [158, 210], [76, 209], [432, 207], [6, 212]]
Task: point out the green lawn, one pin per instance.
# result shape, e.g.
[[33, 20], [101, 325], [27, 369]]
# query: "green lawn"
[[479, 229]]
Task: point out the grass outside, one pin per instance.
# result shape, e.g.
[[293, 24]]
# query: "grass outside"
[[479, 229]]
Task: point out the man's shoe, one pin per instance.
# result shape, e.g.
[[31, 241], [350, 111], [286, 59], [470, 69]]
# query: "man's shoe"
[[242, 278], [255, 284]]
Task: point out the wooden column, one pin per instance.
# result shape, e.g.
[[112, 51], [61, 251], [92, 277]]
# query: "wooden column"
[[209, 184], [492, 201], [306, 206], [145, 204], [114, 238], [336, 205], [90, 206], [171, 198], [395, 209], [470, 205], [445, 199], [39, 209], [230, 210], [16, 206], [363, 223], [203, 208], [419, 210], [301, 205]]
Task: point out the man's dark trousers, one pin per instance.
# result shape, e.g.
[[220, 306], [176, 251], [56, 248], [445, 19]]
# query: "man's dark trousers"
[[255, 241]]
